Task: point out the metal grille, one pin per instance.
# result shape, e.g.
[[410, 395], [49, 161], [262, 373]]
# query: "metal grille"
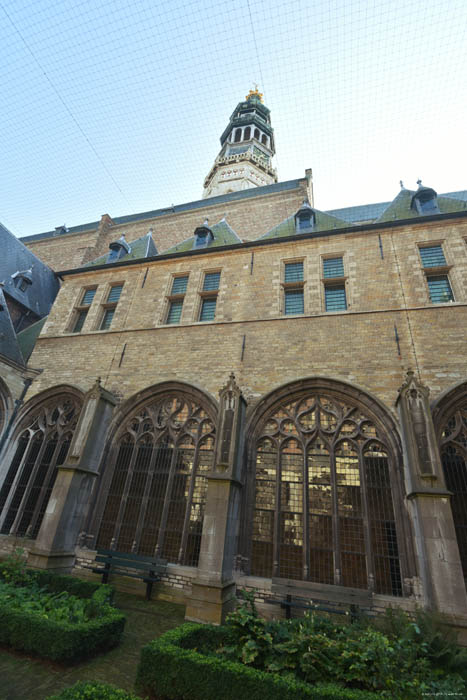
[[432, 256], [179, 285], [294, 301], [157, 495], [454, 458], [335, 299], [88, 297], [211, 281], [32, 472], [208, 309], [107, 319], [440, 289], [175, 311], [114, 294], [333, 267], [323, 506], [293, 272]]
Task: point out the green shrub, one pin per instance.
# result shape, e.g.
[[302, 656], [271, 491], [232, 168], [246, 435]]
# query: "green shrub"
[[172, 667], [93, 690]]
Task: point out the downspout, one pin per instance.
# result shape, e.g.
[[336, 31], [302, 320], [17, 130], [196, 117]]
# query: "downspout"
[[18, 404]]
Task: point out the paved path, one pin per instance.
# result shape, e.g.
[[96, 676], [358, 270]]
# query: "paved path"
[[29, 678]]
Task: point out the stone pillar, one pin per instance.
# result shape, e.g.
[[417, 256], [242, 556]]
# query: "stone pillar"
[[213, 591], [54, 547], [436, 546]]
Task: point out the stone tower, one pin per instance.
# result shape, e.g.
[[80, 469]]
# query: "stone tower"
[[244, 160]]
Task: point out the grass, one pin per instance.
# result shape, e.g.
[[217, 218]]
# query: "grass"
[[25, 677]]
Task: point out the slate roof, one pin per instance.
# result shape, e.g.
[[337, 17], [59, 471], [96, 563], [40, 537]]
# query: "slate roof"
[[223, 234], [323, 222], [400, 207], [9, 346], [14, 256], [27, 338], [143, 247]]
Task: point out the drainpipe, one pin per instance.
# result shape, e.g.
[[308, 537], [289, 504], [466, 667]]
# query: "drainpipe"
[[18, 404]]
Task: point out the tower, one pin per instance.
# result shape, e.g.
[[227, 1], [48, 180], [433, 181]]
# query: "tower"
[[247, 147]]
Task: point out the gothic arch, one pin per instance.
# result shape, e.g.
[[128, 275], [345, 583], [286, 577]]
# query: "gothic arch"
[[153, 490], [450, 420], [39, 445], [6, 405], [324, 488]]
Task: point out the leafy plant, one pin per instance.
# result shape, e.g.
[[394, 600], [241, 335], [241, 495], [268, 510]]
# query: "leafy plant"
[[13, 568]]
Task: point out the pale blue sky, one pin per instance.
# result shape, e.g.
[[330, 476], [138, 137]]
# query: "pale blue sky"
[[117, 106]]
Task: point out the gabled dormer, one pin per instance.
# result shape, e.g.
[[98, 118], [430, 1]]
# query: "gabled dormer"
[[305, 218], [118, 249], [203, 236], [425, 200], [22, 279]]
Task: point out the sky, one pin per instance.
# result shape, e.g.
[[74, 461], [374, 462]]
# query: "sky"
[[117, 106]]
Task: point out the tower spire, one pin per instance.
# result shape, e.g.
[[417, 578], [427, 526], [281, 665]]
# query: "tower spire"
[[247, 147]]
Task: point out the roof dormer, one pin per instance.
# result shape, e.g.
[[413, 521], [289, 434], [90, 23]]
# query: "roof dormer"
[[22, 279], [304, 218], [118, 249], [203, 236], [425, 200]]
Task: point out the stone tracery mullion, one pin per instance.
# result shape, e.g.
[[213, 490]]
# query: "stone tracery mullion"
[[27, 490], [186, 520]]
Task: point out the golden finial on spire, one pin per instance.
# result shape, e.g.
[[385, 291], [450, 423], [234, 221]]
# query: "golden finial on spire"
[[255, 93]]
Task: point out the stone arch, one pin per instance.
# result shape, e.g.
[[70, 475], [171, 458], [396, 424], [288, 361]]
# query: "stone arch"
[[324, 488], [153, 490], [450, 420], [6, 405], [39, 445]]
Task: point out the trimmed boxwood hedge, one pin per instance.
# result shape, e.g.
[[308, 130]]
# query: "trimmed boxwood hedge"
[[170, 667], [60, 641], [93, 690]]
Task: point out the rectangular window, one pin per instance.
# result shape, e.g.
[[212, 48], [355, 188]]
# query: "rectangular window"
[[440, 289], [110, 306], [335, 299], [293, 272], [432, 256], [82, 310], [211, 281], [208, 309], [294, 301], [333, 267], [175, 311], [176, 299], [179, 285]]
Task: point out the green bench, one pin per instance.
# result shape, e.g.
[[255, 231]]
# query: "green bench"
[[148, 569]]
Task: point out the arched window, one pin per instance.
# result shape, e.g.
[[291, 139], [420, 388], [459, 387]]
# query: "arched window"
[[322, 505], [42, 447], [238, 135], [256, 134], [264, 139], [157, 494], [247, 134], [454, 458]]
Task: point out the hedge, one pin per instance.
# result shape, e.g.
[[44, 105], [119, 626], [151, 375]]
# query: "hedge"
[[171, 668], [71, 584], [93, 690]]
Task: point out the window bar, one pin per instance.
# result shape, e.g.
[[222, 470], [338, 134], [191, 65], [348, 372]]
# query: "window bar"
[[306, 516], [335, 522], [27, 490], [165, 511], [370, 563], [123, 502], [145, 498], [277, 514], [186, 520]]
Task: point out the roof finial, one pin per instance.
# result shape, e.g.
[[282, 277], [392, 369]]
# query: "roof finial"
[[419, 182], [401, 184], [255, 93]]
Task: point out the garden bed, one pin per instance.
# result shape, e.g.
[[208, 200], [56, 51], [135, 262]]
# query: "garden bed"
[[56, 617]]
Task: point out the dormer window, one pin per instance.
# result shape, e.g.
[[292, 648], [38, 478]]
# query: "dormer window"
[[118, 249], [22, 280], [425, 201], [203, 236], [304, 218]]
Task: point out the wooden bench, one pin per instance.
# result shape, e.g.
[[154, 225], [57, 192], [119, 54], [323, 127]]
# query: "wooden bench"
[[148, 569], [337, 600]]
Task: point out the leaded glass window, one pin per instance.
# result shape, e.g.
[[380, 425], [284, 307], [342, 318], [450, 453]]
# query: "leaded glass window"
[[294, 301], [454, 459], [333, 267], [440, 289], [175, 311], [293, 272], [334, 297], [157, 495], [323, 507], [41, 448], [211, 281], [432, 256], [208, 309]]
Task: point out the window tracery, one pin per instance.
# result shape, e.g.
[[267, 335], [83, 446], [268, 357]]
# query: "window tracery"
[[41, 448], [323, 508], [158, 490]]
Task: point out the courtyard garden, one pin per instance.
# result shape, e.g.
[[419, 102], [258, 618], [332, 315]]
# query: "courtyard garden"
[[62, 638]]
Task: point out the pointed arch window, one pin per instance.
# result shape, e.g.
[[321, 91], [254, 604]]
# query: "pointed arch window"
[[157, 495], [42, 447], [454, 459], [323, 508]]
